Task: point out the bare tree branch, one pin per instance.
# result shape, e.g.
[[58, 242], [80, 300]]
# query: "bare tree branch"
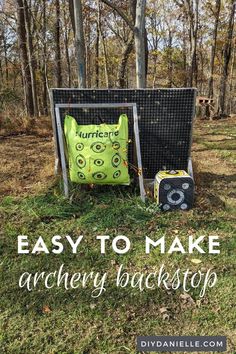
[[120, 12]]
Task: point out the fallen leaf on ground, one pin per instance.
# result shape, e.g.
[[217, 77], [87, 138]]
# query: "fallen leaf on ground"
[[187, 300], [163, 309], [196, 261], [46, 309]]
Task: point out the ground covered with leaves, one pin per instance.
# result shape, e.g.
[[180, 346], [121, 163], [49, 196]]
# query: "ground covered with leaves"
[[59, 321]]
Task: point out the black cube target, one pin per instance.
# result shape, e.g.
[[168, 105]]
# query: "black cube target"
[[174, 190], [165, 121]]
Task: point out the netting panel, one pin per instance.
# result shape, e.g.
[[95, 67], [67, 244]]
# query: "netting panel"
[[165, 121]]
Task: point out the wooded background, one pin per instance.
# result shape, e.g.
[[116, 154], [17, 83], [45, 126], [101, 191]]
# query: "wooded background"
[[116, 44]]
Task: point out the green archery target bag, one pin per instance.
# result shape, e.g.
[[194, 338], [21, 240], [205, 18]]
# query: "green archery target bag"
[[97, 154]]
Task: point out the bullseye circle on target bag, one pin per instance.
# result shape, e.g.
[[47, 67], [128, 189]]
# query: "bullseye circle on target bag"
[[97, 154]]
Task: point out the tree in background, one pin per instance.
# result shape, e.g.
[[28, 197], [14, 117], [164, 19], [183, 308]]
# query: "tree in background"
[[137, 11], [216, 14], [26, 73], [139, 35], [226, 56], [57, 43], [105, 43], [79, 43]]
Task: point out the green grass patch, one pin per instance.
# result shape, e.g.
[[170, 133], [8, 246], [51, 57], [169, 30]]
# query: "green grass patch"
[[59, 321], [55, 321]]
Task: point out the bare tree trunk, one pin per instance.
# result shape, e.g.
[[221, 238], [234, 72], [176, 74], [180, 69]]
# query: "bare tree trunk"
[[66, 42], [97, 55], [87, 30], [140, 39], [189, 36], [226, 59], [104, 48], [1, 70], [44, 62], [57, 43], [193, 17], [139, 35], [67, 59], [127, 50], [213, 48], [32, 65], [212, 59], [101, 35], [79, 43], [170, 60], [5, 57], [21, 32], [185, 61], [146, 52], [124, 60], [72, 15], [201, 65], [231, 84], [154, 71]]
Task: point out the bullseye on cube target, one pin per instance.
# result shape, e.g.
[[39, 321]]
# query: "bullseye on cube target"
[[174, 190]]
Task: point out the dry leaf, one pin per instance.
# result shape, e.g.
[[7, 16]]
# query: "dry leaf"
[[185, 296], [46, 309], [163, 310], [165, 317], [196, 261], [187, 300], [198, 303]]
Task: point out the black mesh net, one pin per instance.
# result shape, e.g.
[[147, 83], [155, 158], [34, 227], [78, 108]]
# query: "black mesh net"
[[165, 121]]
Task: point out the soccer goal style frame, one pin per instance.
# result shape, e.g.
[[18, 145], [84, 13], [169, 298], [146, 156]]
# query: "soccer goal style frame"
[[61, 141]]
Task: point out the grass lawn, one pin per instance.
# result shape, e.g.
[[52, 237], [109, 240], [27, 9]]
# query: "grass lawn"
[[59, 321]]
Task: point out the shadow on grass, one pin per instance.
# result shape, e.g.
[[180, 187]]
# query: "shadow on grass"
[[206, 179]]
